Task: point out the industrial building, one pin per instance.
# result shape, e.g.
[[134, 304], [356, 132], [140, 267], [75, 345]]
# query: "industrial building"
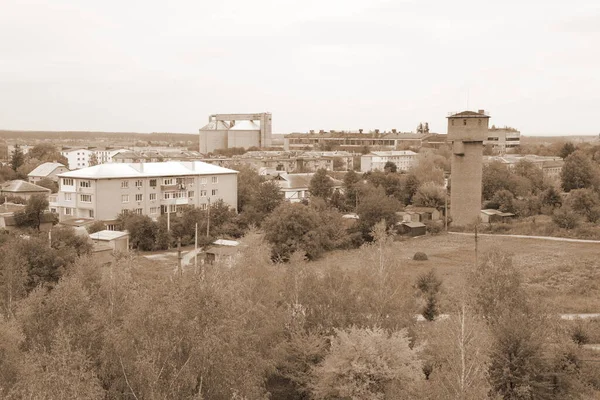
[[467, 131], [225, 131], [354, 140]]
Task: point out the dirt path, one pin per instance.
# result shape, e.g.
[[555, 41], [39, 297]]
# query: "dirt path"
[[558, 239]]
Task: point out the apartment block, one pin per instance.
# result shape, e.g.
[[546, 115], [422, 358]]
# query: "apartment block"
[[503, 139], [376, 160], [103, 191]]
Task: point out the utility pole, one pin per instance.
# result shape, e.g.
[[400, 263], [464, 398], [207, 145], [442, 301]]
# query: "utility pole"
[[476, 255], [208, 219], [196, 250], [179, 257]]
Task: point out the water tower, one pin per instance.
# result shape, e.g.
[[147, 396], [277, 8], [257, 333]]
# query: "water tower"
[[466, 132]]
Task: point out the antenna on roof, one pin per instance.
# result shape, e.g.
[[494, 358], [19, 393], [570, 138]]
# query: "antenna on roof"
[[468, 93]]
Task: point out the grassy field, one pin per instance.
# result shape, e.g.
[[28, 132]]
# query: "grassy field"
[[565, 275]]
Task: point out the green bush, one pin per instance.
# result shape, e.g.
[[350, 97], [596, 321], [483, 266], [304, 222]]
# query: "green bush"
[[433, 227], [565, 218]]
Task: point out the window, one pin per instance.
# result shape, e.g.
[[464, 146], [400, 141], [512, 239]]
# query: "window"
[[168, 181], [124, 198], [203, 193], [86, 198], [153, 210], [68, 211], [85, 184], [152, 196], [138, 183], [203, 181], [138, 211], [215, 192], [464, 121], [91, 213], [152, 182], [67, 181], [191, 194], [179, 181], [139, 197], [172, 208], [189, 181], [167, 196], [124, 184], [111, 227], [215, 179], [68, 197], [203, 206]]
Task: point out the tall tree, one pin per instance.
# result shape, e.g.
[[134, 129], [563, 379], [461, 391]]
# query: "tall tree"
[[585, 202], [579, 172], [32, 216], [17, 158], [321, 185], [567, 149], [368, 364]]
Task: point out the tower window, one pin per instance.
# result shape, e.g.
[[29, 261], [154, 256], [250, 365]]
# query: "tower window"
[[464, 121]]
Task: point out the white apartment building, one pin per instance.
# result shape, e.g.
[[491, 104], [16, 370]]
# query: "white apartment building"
[[103, 191], [80, 158], [376, 160]]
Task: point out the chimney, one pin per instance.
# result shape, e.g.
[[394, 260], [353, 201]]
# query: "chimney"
[[481, 111], [321, 131], [394, 130], [377, 131], [331, 131], [360, 130], [312, 131]]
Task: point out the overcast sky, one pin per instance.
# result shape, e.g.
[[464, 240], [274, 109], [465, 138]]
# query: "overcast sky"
[[164, 66]]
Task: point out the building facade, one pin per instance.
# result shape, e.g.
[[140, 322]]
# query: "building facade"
[[353, 140], [47, 170], [376, 160], [103, 191], [83, 158], [550, 166], [503, 140]]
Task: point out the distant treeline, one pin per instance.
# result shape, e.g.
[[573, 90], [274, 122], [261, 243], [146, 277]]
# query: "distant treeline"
[[85, 135]]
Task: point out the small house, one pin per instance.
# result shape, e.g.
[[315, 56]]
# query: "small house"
[[426, 213], [47, 170], [222, 250], [492, 216], [411, 228], [25, 190], [116, 240]]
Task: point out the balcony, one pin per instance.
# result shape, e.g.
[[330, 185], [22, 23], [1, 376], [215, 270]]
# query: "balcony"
[[174, 187], [179, 202]]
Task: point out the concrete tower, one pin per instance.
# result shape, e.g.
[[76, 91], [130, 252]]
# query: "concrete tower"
[[466, 131]]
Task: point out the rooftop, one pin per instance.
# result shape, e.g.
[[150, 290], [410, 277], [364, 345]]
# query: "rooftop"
[[392, 153], [107, 235], [19, 186], [151, 169], [299, 181], [365, 135], [45, 169], [469, 114]]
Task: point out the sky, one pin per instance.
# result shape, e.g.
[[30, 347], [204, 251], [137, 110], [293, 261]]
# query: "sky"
[[164, 66]]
